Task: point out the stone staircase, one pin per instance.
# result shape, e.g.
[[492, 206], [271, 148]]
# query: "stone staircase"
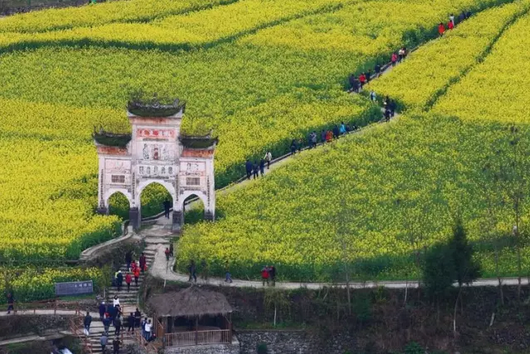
[[159, 233]]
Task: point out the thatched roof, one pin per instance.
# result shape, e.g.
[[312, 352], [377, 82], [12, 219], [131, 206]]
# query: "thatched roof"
[[191, 302]]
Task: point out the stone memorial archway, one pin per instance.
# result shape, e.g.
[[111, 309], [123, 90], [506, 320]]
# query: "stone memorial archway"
[[156, 152]]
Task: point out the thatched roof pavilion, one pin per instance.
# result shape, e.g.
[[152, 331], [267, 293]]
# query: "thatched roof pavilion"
[[191, 302], [192, 316]]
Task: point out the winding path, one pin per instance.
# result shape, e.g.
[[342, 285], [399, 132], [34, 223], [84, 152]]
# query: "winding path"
[[163, 269]]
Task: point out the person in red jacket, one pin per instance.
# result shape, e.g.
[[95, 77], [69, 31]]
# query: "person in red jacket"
[[265, 275], [329, 136], [362, 80], [441, 29], [128, 280], [450, 25], [136, 272], [394, 59]]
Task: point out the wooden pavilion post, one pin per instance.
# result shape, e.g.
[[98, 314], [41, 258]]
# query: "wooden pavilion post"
[[196, 330], [230, 328]]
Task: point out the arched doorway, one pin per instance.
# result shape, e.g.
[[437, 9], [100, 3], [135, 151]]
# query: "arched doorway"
[[118, 204], [193, 209], [150, 200]]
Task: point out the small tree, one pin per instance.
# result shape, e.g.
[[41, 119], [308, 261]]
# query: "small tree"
[[466, 268], [438, 273]]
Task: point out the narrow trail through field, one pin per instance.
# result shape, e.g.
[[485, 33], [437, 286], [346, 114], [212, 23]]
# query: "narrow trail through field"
[[163, 269]]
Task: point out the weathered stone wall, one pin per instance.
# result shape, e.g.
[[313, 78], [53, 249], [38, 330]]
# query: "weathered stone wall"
[[17, 325], [294, 342], [206, 349]]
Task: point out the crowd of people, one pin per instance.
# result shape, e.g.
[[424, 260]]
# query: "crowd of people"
[[257, 168], [134, 269], [111, 315], [442, 28], [268, 273]]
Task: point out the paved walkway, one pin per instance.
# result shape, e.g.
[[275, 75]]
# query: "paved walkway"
[[164, 270]]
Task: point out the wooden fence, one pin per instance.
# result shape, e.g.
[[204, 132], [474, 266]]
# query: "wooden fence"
[[186, 339]]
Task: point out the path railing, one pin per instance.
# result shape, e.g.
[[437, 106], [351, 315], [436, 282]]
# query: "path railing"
[[191, 338], [76, 325], [43, 305]]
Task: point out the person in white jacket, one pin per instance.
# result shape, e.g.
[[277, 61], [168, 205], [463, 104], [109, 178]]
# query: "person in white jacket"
[[116, 301], [268, 159]]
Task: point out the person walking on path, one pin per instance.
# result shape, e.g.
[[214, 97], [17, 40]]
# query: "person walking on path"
[[144, 322], [392, 107], [119, 280], [167, 205], [362, 80], [193, 271], [394, 59], [342, 129], [106, 324], [262, 167], [86, 322], [228, 277], [116, 301], [10, 302], [272, 274], [377, 70], [117, 325], [130, 323], [401, 54], [329, 136], [111, 311], [336, 131], [373, 96], [452, 19], [441, 29], [136, 273], [167, 254], [116, 345], [323, 136], [103, 340], [255, 170], [128, 280], [265, 275], [171, 249], [368, 76], [248, 168], [148, 330], [450, 25], [128, 260], [143, 262], [268, 158], [312, 140], [102, 309], [387, 115], [137, 318], [300, 144], [354, 83], [293, 147]]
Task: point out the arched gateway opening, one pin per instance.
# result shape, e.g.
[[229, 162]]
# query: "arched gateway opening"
[[156, 153], [152, 199], [119, 204]]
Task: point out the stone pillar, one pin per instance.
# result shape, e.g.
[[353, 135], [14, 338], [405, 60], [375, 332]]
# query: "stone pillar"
[[134, 218], [178, 220], [209, 215], [102, 210]]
